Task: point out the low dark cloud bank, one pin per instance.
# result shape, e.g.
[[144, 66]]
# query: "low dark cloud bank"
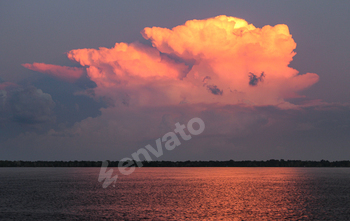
[[26, 105]]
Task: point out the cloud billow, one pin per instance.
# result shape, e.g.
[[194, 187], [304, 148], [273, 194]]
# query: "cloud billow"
[[233, 75], [224, 50]]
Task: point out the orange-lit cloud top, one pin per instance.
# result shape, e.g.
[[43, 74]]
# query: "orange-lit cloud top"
[[235, 50], [124, 62], [216, 60], [69, 74]]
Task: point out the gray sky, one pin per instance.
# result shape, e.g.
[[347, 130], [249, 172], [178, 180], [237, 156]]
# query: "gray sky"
[[47, 118]]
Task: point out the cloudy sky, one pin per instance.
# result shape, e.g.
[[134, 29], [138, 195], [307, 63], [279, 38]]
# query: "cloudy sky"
[[90, 80]]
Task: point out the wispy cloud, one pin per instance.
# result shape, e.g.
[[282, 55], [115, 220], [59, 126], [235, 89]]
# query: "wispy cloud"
[[70, 74]]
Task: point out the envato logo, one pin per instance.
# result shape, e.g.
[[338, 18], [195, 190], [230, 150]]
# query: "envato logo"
[[126, 165]]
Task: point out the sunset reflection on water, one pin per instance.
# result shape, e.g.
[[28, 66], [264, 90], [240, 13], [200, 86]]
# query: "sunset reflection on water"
[[220, 193], [177, 194]]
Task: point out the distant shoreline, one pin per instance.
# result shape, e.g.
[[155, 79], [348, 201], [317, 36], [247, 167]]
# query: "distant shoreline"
[[229, 163]]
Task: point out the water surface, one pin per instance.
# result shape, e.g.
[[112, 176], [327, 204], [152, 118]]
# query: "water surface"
[[176, 194]]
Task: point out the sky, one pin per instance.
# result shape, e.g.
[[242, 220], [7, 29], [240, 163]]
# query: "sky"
[[89, 80]]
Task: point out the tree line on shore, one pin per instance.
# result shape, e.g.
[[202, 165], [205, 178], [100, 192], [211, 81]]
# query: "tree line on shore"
[[229, 163]]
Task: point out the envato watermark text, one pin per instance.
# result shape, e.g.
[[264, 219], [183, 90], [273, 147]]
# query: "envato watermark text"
[[126, 166]]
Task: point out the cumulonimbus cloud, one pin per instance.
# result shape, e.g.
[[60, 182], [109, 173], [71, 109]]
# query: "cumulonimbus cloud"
[[216, 61]]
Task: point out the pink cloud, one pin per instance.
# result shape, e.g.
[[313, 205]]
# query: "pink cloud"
[[70, 74], [232, 62], [4, 85]]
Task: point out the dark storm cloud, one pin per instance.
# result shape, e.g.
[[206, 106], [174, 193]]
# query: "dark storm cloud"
[[236, 132], [214, 90], [85, 83], [26, 105], [254, 79], [206, 78]]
